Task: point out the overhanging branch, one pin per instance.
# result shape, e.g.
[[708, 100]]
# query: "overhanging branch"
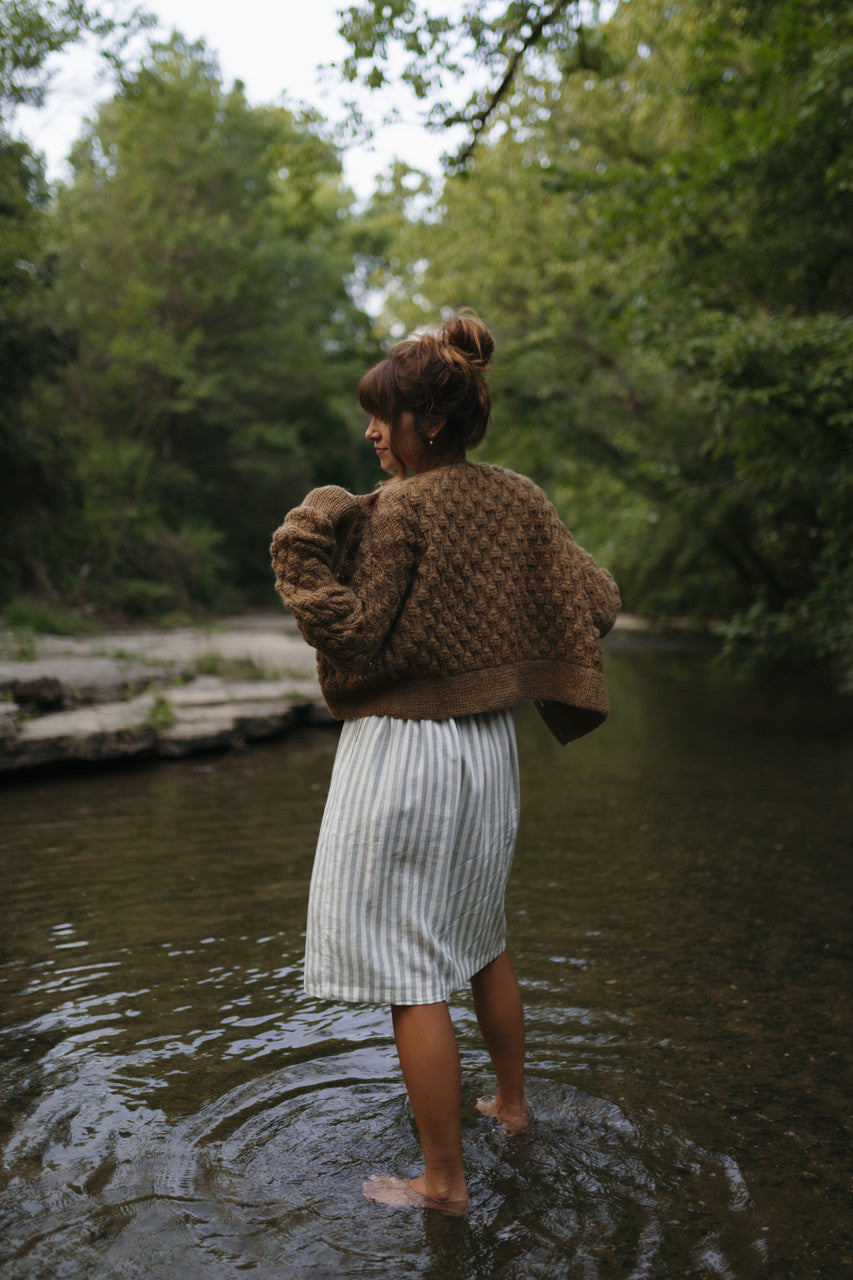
[[479, 118]]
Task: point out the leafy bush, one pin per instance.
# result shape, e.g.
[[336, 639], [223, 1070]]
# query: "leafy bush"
[[24, 613]]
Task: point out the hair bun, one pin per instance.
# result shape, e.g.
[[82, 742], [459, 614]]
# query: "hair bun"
[[467, 333]]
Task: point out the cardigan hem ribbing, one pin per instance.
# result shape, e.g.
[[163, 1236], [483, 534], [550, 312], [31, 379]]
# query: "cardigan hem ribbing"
[[572, 700]]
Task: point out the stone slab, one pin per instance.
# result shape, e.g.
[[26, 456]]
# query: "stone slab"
[[103, 732], [207, 713], [54, 683], [271, 640]]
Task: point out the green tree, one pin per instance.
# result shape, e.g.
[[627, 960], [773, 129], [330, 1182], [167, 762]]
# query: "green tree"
[[30, 470], [204, 247], [34, 466]]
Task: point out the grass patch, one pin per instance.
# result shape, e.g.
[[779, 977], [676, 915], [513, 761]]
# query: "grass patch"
[[25, 614], [214, 664], [25, 618], [161, 714]]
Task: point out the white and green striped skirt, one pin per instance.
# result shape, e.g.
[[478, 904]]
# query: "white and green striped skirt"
[[415, 846]]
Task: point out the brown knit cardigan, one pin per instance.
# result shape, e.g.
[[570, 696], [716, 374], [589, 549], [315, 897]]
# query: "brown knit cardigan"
[[454, 591]]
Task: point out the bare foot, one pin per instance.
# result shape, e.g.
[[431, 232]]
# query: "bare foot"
[[404, 1193], [512, 1119]]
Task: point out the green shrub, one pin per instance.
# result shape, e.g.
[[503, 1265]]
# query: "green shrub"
[[25, 613], [161, 714], [139, 598]]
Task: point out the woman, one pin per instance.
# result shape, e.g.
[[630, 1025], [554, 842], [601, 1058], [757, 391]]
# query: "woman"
[[435, 604]]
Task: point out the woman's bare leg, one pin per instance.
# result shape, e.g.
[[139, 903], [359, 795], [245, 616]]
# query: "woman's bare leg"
[[500, 1014], [429, 1057]]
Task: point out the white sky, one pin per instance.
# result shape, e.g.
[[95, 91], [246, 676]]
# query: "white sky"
[[275, 47]]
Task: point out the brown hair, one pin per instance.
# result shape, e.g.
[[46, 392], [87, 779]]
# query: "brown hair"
[[440, 378]]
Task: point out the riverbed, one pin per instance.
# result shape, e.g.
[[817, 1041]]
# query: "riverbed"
[[679, 913]]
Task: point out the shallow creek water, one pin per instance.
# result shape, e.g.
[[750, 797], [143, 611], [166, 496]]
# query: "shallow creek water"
[[174, 1107]]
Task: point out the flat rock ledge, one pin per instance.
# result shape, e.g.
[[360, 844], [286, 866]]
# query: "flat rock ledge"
[[67, 706]]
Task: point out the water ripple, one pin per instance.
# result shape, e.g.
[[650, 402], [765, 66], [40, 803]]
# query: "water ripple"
[[273, 1168]]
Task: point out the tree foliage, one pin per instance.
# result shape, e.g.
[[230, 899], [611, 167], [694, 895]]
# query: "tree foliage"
[[30, 32], [33, 461], [202, 260], [178, 341], [486, 45]]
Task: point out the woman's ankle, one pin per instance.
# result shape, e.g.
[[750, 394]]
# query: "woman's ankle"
[[513, 1114], [442, 1186], [408, 1193]]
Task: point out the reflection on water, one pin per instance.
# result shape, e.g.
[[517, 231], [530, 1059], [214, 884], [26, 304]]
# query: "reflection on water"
[[174, 1106]]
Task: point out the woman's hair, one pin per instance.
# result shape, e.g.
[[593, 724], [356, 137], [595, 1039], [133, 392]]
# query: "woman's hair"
[[440, 378]]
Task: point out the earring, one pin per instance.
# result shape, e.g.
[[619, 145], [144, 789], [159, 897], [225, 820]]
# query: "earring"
[[431, 441]]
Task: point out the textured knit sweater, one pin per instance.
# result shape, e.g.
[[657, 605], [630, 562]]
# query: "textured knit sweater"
[[455, 591]]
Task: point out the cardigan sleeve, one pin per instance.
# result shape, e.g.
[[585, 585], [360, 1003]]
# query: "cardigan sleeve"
[[596, 583], [347, 623], [601, 591]]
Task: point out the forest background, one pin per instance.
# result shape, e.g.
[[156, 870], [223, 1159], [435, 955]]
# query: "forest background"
[[652, 211]]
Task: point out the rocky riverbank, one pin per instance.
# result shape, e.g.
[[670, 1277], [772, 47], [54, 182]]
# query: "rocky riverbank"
[[154, 692]]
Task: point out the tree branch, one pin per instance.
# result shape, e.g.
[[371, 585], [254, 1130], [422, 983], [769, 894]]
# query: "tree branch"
[[480, 118], [606, 361]]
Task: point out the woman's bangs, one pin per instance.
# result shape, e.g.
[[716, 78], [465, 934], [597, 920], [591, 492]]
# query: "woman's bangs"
[[377, 392]]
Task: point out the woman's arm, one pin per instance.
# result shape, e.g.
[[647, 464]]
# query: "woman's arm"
[[347, 624]]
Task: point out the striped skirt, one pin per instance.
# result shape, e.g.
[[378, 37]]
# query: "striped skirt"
[[415, 846]]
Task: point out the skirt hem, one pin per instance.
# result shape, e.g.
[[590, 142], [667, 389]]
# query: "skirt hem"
[[318, 992]]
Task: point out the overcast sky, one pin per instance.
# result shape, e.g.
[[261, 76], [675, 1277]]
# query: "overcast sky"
[[274, 46]]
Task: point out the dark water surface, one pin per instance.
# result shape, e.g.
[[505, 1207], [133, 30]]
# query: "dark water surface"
[[174, 1107]]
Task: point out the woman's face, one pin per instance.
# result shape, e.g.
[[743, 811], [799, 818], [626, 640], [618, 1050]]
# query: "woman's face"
[[410, 450]]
